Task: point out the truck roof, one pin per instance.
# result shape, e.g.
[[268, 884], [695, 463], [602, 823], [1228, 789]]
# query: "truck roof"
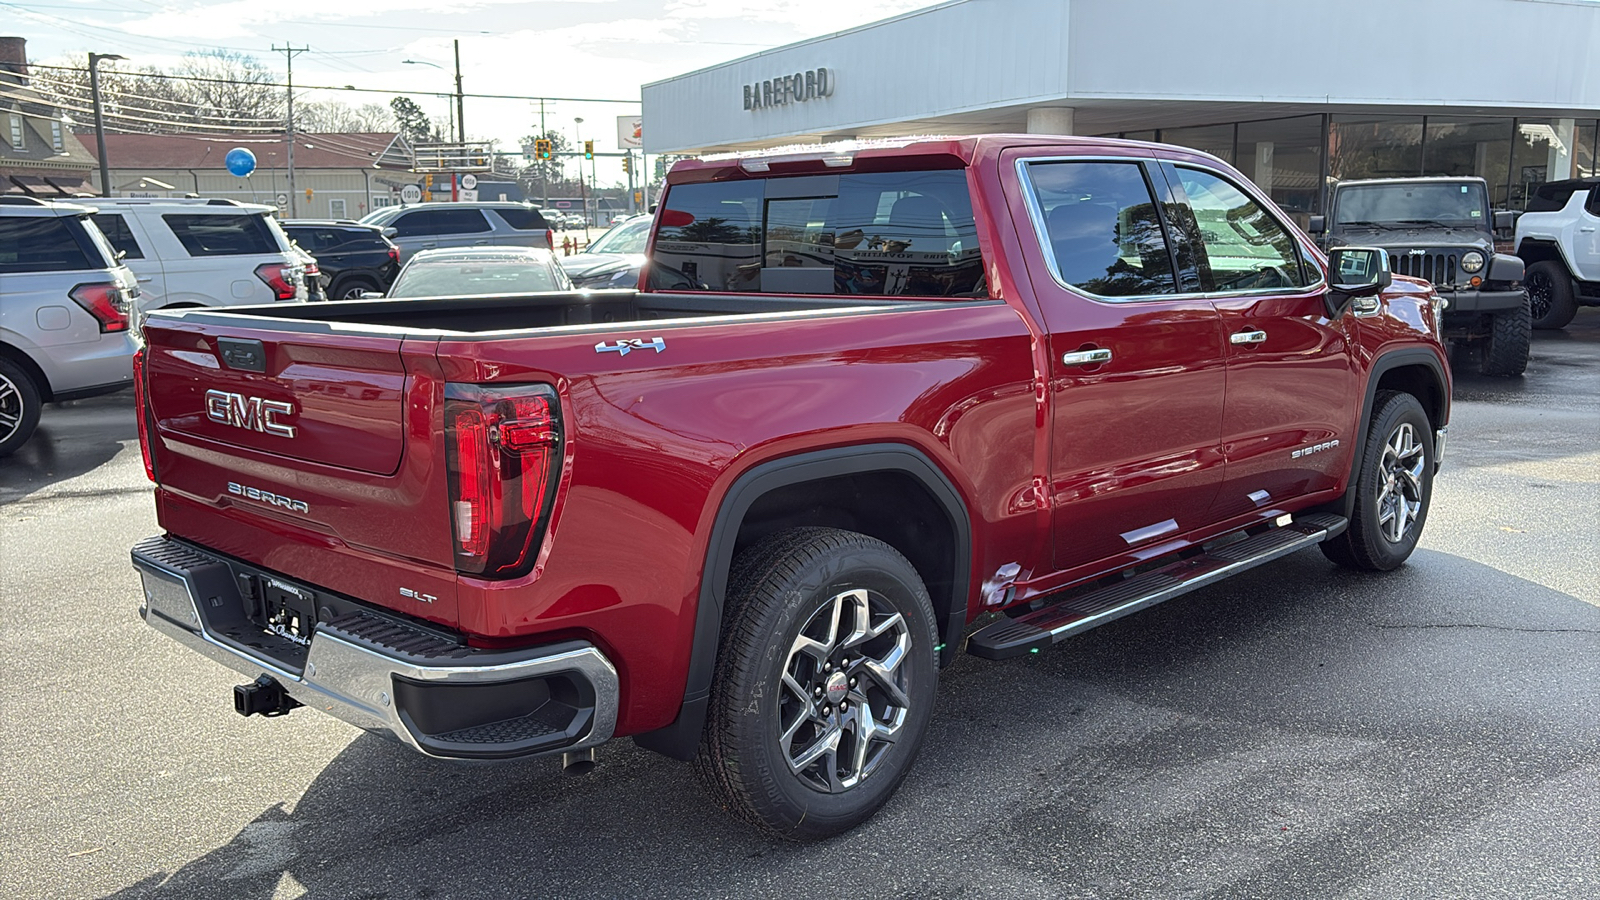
[[872, 154]]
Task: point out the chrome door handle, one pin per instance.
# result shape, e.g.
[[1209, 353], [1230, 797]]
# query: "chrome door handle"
[[147, 278], [1086, 357], [1248, 337], [1587, 228]]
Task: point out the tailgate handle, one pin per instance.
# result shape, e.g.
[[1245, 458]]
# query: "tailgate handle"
[[242, 354]]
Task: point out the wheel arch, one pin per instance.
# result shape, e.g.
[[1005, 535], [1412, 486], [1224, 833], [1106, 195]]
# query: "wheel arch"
[[1414, 370], [843, 487], [26, 363], [1533, 250]]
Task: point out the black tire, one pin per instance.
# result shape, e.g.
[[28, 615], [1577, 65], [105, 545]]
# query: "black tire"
[[1505, 351], [351, 288], [19, 406], [1552, 304], [777, 591], [1369, 544]]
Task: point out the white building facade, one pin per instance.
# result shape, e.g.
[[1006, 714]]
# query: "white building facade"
[[1295, 95]]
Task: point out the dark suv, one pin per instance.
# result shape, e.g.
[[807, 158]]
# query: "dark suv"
[[353, 258], [1442, 231]]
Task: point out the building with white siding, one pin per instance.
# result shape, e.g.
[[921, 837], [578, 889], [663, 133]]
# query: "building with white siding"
[[1296, 95]]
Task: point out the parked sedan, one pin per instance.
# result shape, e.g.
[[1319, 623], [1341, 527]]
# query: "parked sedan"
[[473, 271]]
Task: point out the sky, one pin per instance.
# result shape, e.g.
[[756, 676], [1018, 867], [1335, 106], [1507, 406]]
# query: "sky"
[[599, 49]]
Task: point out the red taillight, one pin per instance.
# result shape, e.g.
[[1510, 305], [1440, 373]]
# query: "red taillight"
[[501, 451], [280, 278], [106, 302], [143, 414], [550, 238], [394, 254]]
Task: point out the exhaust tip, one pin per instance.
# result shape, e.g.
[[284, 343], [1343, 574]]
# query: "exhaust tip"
[[577, 762]]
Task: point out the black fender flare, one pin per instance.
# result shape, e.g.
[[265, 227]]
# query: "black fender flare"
[[681, 739], [1394, 359]]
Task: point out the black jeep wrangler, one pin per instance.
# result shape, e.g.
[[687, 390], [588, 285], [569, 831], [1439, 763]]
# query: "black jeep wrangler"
[[1442, 230]]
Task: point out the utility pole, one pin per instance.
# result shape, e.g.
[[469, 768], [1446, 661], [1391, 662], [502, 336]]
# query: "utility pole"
[[461, 113], [99, 122], [578, 133], [544, 173], [289, 51]]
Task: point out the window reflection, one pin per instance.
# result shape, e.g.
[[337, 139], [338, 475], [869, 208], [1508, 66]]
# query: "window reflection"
[[1102, 227]]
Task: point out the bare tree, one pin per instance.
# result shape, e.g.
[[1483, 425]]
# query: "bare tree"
[[334, 116], [232, 86]]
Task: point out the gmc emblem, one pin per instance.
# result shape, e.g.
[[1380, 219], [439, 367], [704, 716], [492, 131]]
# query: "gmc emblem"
[[249, 413]]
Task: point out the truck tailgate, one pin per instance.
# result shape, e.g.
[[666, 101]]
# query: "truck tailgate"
[[277, 446]]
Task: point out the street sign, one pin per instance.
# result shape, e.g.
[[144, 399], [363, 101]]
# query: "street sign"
[[283, 200], [469, 196], [469, 181], [408, 194], [630, 132]]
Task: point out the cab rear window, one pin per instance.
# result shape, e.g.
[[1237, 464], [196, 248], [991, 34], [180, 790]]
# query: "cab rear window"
[[221, 234], [881, 234]]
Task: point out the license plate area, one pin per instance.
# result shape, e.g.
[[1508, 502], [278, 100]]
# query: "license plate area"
[[283, 610]]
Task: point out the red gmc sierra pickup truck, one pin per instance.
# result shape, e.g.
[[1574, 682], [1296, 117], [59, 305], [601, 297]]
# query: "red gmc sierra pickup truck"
[[923, 396]]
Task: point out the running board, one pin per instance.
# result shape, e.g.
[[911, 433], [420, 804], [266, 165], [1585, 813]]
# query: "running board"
[[1081, 612]]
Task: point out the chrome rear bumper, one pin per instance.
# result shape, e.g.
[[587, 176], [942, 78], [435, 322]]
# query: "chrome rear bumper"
[[366, 670]]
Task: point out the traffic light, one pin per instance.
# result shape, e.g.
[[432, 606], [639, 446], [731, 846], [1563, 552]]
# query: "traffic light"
[[588, 149], [541, 148], [308, 193], [427, 182], [627, 164]]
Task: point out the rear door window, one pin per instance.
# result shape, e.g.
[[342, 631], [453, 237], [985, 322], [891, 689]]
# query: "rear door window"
[[522, 219], [115, 227], [1593, 206], [1102, 232], [412, 224], [222, 234], [880, 234], [41, 244], [459, 221]]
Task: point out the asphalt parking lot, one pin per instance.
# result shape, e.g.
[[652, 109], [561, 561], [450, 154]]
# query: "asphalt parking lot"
[[1297, 732]]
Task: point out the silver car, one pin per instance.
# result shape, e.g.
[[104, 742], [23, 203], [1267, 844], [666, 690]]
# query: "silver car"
[[64, 306], [478, 271], [437, 226]]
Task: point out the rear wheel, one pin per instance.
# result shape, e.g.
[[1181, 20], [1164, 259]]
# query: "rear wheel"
[[351, 288], [1552, 304], [824, 684], [19, 406], [1505, 351], [1393, 488]]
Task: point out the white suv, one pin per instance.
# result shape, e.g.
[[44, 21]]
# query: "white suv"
[[201, 252], [64, 303], [1558, 239]]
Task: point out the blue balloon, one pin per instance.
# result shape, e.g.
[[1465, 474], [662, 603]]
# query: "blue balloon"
[[240, 161]]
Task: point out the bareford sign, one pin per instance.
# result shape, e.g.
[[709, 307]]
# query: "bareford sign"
[[813, 84]]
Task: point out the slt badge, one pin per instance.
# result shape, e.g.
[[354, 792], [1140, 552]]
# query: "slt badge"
[[624, 347]]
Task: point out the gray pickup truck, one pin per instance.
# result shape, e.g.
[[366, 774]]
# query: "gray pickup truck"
[[1442, 231]]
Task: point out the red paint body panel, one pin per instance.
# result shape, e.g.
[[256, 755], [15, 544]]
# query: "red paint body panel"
[[1055, 464]]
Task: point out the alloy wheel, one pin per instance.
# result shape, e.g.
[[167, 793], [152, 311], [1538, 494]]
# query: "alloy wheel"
[[1400, 494], [11, 409], [844, 698], [1540, 294]]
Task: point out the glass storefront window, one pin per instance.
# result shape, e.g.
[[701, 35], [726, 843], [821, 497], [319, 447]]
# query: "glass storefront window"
[[1480, 147], [1216, 140], [1541, 152], [1284, 158], [1588, 147], [1374, 147]]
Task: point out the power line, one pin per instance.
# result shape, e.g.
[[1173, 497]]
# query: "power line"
[[346, 87]]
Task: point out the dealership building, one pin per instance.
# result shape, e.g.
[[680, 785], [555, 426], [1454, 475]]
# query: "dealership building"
[[1295, 95]]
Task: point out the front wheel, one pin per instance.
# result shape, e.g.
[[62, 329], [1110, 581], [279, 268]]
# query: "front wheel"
[[1550, 293], [1392, 489], [824, 683], [1505, 351]]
